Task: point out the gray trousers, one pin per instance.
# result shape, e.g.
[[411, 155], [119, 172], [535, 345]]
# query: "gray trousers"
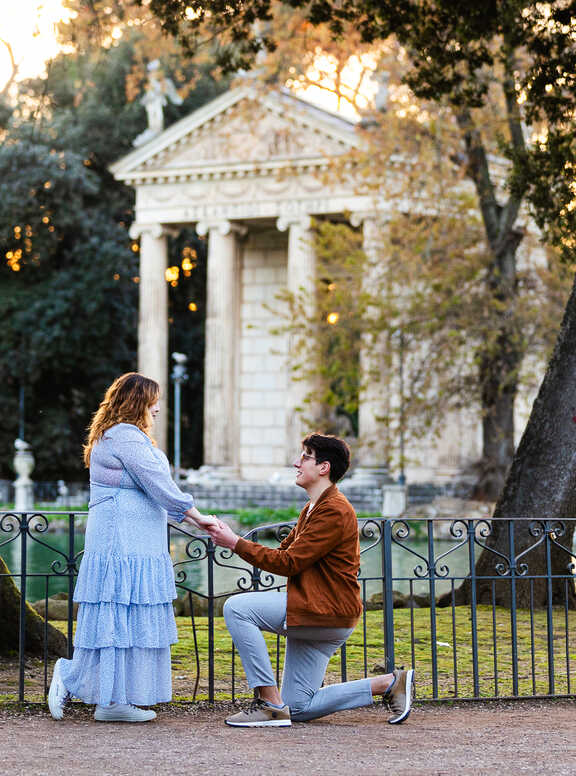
[[308, 651]]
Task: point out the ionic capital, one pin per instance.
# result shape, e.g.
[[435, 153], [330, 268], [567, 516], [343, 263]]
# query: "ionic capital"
[[223, 227], [154, 230], [370, 217], [283, 223]]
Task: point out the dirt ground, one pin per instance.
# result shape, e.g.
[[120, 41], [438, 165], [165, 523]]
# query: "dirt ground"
[[535, 737]]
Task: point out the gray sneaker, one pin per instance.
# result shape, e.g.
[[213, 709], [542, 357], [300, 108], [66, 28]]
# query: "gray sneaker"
[[399, 697], [123, 712], [261, 714]]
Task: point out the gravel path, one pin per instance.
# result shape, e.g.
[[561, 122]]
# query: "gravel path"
[[536, 737]]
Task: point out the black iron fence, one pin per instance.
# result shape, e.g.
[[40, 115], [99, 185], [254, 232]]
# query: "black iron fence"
[[481, 609]]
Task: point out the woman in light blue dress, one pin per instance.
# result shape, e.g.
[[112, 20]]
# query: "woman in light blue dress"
[[125, 585]]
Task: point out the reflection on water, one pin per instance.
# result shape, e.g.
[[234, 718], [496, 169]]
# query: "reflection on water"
[[230, 574], [40, 563]]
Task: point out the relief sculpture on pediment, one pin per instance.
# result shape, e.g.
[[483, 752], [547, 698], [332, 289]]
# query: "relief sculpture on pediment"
[[249, 137]]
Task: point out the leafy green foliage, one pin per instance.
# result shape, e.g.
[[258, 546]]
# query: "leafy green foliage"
[[455, 48], [67, 317], [69, 272], [252, 516]]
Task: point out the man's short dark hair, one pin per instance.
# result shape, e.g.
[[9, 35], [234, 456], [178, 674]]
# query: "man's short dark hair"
[[332, 449]]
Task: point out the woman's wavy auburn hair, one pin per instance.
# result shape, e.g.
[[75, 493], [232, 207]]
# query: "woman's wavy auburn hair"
[[126, 401]]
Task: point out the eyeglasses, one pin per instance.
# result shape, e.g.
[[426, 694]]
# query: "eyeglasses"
[[307, 457]]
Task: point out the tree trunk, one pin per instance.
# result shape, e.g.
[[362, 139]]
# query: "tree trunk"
[[499, 357], [10, 600], [499, 381], [499, 363], [541, 484]]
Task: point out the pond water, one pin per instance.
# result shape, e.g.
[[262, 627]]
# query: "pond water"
[[230, 570]]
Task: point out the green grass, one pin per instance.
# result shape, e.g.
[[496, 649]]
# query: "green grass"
[[363, 658]]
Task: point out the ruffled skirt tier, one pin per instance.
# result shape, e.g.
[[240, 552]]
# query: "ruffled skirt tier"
[[125, 579], [136, 675]]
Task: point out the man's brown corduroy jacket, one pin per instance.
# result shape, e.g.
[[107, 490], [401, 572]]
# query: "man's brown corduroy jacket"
[[321, 558]]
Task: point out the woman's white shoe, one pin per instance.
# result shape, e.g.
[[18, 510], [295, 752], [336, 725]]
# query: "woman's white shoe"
[[123, 712], [57, 694]]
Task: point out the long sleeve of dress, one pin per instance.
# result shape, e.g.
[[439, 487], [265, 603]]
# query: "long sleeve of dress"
[[150, 471]]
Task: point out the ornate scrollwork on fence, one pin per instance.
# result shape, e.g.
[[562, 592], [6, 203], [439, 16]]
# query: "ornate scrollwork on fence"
[[458, 529], [61, 566], [401, 532], [248, 579], [483, 529], [371, 529], [282, 531], [195, 550], [10, 523], [554, 530], [557, 529]]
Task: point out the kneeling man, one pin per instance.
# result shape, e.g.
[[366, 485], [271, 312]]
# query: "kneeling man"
[[318, 611]]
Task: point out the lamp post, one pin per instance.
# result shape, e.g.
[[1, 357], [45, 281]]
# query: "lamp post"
[[21, 412], [179, 375], [402, 477]]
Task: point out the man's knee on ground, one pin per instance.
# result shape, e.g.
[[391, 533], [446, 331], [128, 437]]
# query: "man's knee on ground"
[[299, 704], [301, 713]]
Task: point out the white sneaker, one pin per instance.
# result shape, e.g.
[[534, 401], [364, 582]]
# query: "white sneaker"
[[57, 694], [123, 712]]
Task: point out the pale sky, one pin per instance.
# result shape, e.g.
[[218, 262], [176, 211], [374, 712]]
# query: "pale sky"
[[29, 27]]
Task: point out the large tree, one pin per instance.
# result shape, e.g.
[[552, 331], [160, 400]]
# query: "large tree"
[[471, 61], [70, 271], [68, 301], [460, 52]]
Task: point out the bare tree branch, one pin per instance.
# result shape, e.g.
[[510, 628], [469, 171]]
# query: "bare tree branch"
[[10, 80]]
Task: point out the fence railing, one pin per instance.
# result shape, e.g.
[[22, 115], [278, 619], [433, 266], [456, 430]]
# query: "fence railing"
[[481, 609]]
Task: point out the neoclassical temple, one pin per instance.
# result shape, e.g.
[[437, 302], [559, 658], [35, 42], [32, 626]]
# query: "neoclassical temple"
[[246, 170]]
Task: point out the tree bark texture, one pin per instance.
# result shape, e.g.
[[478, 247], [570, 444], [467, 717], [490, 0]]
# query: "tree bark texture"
[[541, 485], [10, 601], [499, 358], [499, 364]]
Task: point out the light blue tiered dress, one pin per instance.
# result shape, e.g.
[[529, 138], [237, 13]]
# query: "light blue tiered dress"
[[126, 584]]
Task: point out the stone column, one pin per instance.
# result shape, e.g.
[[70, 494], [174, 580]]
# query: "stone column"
[[372, 453], [221, 400], [153, 316], [301, 274]]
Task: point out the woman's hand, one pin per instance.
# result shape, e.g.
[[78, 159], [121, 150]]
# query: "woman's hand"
[[194, 517]]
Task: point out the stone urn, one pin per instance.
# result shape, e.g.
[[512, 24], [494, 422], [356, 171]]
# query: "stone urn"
[[23, 486]]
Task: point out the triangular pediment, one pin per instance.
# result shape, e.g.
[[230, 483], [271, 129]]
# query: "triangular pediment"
[[242, 127]]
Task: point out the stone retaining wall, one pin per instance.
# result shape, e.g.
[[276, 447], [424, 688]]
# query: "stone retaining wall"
[[223, 495]]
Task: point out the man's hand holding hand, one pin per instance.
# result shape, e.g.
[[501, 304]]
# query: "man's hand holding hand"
[[222, 535]]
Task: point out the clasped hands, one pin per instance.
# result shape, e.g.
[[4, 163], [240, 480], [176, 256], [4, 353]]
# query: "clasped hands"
[[220, 533]]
